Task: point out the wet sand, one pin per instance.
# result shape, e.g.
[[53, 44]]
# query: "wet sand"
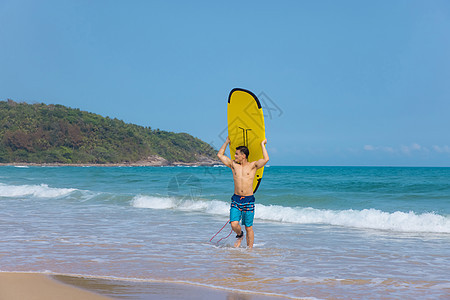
[[121, 289], [36, 286]]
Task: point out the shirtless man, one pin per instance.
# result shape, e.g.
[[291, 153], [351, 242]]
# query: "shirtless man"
[[243, 201]]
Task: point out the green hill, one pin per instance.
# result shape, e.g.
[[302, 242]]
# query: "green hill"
[[40, 133]]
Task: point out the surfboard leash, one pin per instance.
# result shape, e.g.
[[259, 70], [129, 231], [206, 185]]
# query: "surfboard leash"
[[220, 231]]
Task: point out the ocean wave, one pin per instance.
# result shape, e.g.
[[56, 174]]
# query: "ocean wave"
[[141, 201], [156, 202], [364, 219], [38, 191]]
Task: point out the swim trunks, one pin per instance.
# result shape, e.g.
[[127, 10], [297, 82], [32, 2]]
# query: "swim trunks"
[[242, 207]]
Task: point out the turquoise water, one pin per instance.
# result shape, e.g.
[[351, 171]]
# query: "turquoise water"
[[320, 232]]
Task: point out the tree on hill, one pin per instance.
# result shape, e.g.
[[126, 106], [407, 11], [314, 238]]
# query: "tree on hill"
[[40, 133]]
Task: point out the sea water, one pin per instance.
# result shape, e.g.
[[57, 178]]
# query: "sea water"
[[320, 232]]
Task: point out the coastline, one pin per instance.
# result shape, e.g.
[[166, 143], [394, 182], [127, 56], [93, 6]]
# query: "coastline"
[[150, 162], [40, 286]]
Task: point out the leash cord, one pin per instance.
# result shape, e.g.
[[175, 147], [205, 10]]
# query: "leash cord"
[[220, 231]]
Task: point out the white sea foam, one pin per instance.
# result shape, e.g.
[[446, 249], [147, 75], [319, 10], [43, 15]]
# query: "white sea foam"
[[38, 191], [366, 219], [142, 201], [155, 202]]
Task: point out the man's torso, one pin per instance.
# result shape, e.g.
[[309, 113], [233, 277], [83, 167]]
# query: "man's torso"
[[243, 176]]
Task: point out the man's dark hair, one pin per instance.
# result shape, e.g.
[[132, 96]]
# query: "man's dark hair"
[[244, 150]]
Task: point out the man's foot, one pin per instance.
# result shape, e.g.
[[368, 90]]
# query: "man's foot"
[[239, 237]]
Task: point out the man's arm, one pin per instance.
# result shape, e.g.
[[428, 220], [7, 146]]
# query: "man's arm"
[[261, 162], [221, 154]]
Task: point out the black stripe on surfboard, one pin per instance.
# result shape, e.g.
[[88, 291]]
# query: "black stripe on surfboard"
[[257, 185], [246, 91]]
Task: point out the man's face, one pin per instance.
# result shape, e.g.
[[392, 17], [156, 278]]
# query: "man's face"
[[239, 156]]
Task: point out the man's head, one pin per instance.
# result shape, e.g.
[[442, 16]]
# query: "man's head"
[[241, 154]]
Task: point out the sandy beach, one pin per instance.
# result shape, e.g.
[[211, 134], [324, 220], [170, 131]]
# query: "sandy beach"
[[34, 286], [37, 286]]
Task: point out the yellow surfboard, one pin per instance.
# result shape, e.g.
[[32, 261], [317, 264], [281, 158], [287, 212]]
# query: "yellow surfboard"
[[246, 127]]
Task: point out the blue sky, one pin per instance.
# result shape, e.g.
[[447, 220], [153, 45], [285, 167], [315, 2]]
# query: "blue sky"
[[344, 82]]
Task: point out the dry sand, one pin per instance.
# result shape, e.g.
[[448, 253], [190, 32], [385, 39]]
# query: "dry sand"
[[30, 286]]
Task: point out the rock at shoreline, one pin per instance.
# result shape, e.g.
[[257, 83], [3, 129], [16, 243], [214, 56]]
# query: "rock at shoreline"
[[151, 161]]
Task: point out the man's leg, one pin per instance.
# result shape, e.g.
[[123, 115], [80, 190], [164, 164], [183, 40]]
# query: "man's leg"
[[237, 228], [250, 236], [247, 221], [235, 217]]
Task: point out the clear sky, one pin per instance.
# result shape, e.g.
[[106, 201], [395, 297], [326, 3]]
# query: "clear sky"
[[343, 82]]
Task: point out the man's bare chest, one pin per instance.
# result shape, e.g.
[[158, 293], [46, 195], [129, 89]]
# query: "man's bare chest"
[[243, 172]]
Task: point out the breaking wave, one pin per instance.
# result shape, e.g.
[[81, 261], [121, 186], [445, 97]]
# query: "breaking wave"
[[364, 219], [38, 191]]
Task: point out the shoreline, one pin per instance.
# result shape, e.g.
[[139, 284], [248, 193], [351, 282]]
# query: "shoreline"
[[43, 286], [150, 161], [38, 286], [174, 164]]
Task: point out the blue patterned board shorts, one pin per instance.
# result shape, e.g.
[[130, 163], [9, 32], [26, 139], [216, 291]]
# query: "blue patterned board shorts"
[[242, 208]]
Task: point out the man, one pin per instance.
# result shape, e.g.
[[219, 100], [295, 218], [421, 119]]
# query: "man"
[[243, 201]]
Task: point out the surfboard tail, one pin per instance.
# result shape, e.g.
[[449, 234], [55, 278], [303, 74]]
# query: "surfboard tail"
[[257, 185]]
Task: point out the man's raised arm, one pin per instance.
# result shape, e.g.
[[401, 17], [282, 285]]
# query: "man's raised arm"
[[261, 162], [221, 154]]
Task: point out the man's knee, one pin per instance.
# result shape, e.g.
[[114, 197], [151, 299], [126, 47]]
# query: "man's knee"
[[235, 225], [249, 228]]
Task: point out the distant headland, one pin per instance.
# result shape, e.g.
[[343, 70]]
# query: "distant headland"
[[41, 134]]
